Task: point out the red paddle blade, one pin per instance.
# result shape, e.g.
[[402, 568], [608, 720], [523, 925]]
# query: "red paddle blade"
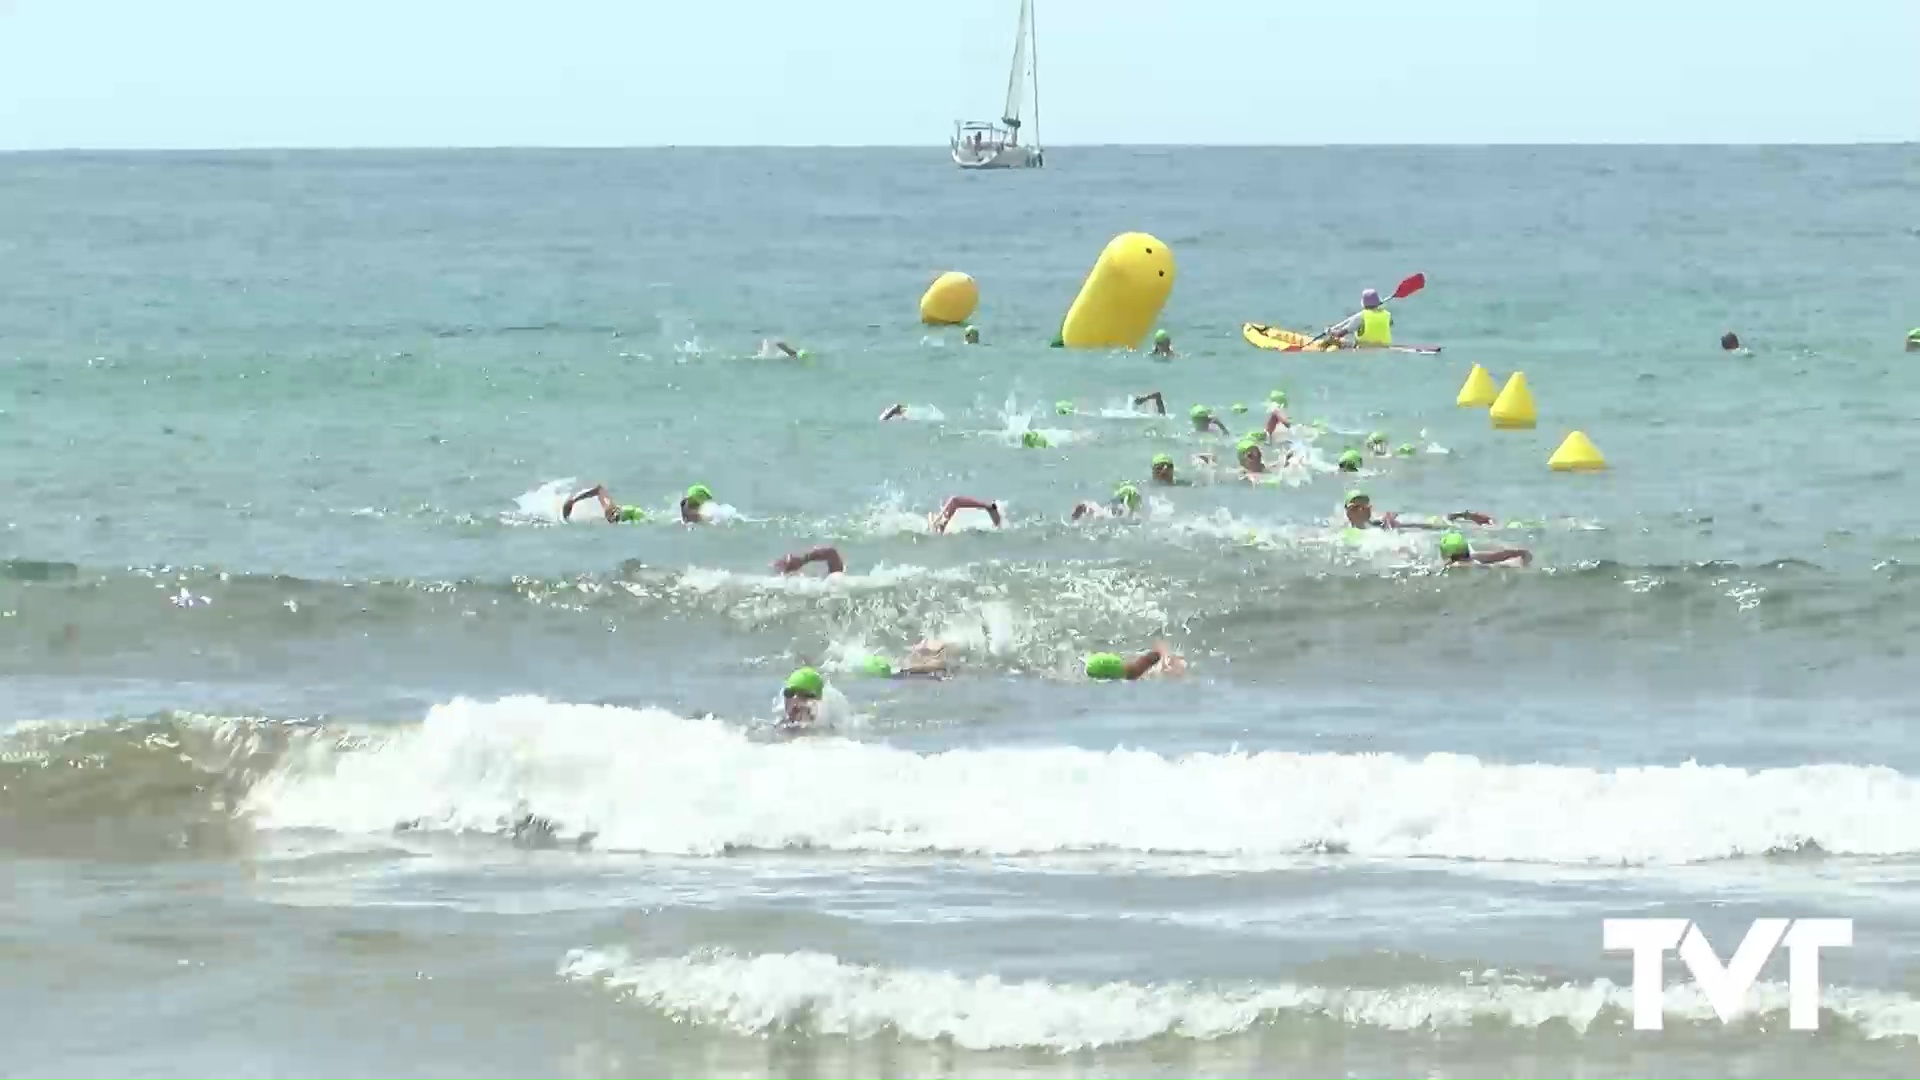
[[1410, 286]]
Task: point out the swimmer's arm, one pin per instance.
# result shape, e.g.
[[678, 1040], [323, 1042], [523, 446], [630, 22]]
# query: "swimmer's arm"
[[893, 412], [689, 514], [1159, 403], [597, 491], [1082, 509], [1277, 419], [826, 554], [786, 348], [957, 503], [1474, 516], [1488, 558], [1213, 423], [1145, 662]]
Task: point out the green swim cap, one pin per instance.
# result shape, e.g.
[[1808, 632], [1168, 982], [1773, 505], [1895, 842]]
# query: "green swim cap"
[[1453, 545], [698, 495], [1379, 437], [1239, 406], [878, 667], [1063, 408], [806, 681], [1162, 459], [803, 355], [1106, 665], [1358, 496], [1350, 460], [629, 513], [1277, 397], [1407, 449], [1199, 412], [1160, 336], [1034, 440], [1127, 495], [972, 329]]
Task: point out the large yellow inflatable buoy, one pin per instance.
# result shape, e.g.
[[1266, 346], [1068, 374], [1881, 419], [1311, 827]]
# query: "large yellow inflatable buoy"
[[950, 300], [1122, 297], [1513, 409]]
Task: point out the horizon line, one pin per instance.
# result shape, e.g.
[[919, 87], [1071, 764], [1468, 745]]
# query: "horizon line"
[[615, 147]]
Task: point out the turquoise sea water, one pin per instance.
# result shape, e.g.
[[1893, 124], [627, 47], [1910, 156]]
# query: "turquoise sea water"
[[313, 705]]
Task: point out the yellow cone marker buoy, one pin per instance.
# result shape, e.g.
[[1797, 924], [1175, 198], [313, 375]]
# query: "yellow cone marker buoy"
[[950, 300], [1514, 407], [1577, 454], [1122, 296], [1478, 391]]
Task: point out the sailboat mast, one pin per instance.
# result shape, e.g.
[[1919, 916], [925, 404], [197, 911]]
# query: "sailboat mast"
[[1033, 52], [1010, 115]]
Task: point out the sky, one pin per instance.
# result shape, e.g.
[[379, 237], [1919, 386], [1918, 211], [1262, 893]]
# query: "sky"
[[196, 74]]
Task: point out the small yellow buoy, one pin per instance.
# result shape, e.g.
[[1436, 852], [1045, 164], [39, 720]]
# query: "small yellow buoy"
[[1478, 391], [1122, 295], [1514, 407], [1577, 454], [950, 300]]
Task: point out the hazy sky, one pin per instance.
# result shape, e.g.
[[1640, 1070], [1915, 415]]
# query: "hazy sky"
[[258, 73]]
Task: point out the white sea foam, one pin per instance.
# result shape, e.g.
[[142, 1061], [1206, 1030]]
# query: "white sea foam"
[[821, 995], [647, 780]]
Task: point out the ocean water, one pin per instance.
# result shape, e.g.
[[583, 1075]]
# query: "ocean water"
[[328, 750]]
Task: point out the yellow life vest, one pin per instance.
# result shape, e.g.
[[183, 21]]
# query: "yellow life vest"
[[1376, 327]]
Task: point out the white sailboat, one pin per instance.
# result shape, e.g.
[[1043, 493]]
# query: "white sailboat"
[[983, 144]]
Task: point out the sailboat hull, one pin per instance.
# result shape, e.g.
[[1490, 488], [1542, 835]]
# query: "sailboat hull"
[[1005, 157]]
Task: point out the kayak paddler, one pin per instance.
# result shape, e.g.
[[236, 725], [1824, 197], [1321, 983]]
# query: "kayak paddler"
[[1371, 327]]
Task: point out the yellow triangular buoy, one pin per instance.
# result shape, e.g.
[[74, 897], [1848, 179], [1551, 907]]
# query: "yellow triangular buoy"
[[1577, 454], [1514, 407], [1478, 391]]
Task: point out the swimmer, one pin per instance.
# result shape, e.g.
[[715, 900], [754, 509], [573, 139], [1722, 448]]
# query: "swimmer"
[[696, 497], [972, 336], [1406, 449], [614, 513], [793, 564], [768, 347], [957, 503], [1377, 444], [894, 412], [1163, 471], [802, 697], [1204, 420], [1913, 339], [1159, 403], [1064, 408], [1350, 460], [1106, 666], [1163, 344], [1277, 411], [927, 659], [1729, 341], [1359, 509], [1254, 462], [1455, 552], [1033, 440], [1125, 502]]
